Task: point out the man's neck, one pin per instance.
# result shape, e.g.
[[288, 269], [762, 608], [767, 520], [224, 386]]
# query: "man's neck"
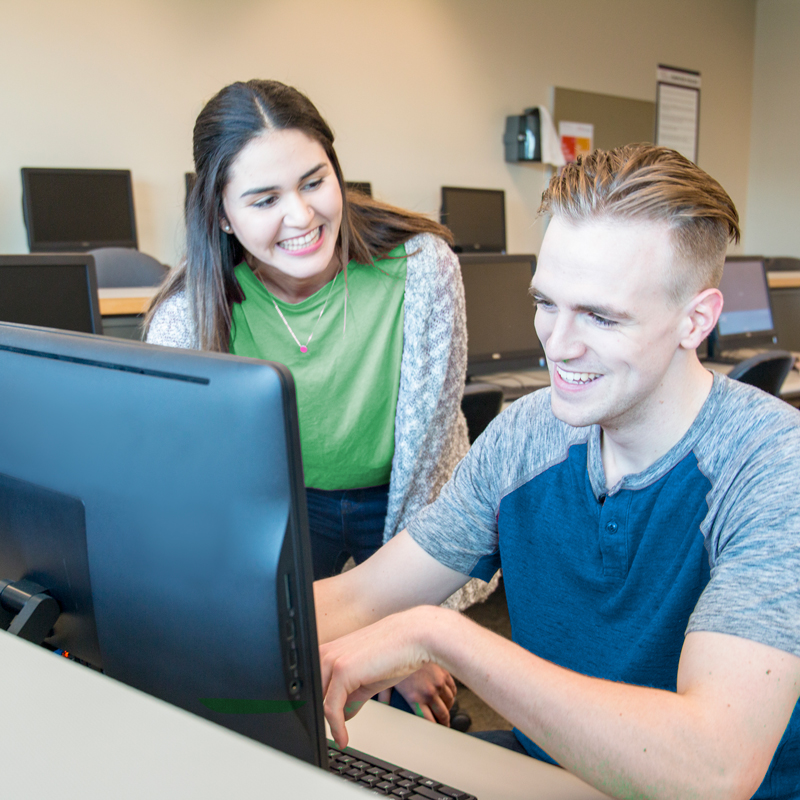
[[630, 446]]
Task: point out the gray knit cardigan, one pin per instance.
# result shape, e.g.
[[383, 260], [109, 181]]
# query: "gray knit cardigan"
[[430, 433]]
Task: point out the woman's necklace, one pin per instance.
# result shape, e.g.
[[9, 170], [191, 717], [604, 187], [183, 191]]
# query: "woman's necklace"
[[304, 347]]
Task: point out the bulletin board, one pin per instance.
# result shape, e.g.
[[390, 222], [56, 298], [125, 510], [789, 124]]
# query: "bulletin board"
[[617, 120]]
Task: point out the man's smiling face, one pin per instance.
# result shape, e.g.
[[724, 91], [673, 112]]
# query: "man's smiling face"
[[605, 320]]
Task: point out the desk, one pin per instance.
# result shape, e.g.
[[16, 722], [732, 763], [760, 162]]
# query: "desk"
[[125, 301], [123, 310], [783, 280], [486, 770], [74, 733], [79, 734]]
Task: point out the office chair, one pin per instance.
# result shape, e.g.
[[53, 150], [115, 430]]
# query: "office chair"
[[481, 403], [123, 266], [766, 370]]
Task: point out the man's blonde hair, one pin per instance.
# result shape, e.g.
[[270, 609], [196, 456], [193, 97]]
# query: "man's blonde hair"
[[646, 183]]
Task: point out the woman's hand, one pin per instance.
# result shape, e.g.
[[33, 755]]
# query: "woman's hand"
[[430, 691]]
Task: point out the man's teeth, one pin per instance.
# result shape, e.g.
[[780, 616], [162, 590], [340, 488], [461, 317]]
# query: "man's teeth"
[[577, 377], [299, 242]]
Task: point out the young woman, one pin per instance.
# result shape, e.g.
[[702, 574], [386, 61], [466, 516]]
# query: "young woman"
[[362, 301]]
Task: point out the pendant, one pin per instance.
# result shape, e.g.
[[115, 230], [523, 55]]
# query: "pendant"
[[303, 348]]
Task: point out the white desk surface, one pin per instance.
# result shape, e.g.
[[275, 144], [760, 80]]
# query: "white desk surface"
[[73, 733], [82, 735], [485, 770]]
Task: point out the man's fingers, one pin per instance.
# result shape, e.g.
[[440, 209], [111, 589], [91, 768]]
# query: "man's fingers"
[[335, 700], [352, 707]]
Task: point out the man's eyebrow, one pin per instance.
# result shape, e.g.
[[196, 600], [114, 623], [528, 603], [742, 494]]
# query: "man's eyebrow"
[[604, 311], [265, 189], [597, 309]]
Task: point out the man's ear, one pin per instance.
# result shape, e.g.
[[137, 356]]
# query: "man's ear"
[[702, 313]]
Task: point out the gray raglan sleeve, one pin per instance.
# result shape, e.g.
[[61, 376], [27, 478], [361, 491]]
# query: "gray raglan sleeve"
[[753, 537], [459, 529]]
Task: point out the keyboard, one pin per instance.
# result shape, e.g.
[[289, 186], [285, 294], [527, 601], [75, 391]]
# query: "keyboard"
[[387, 779]]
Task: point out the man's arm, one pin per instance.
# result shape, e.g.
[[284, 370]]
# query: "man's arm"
[[398, 576], [714, 737]]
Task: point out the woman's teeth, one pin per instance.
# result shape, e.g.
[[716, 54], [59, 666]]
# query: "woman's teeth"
[[301, 242]]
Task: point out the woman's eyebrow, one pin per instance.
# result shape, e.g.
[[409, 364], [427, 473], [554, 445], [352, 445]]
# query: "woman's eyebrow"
[[264, 189]]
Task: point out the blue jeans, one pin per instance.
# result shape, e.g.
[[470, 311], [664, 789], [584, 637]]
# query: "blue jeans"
[[344, 523], [503, 738]]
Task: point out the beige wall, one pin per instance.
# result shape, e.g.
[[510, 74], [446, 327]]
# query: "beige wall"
[[774, 187], [416, 90]]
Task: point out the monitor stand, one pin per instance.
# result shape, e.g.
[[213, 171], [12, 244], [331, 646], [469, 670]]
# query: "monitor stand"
[[27, 610]]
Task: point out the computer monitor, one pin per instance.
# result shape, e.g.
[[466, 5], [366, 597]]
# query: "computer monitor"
[[476, 218], [74, 210], [158, 495], [746, 319], [54, 291], [500, 313]]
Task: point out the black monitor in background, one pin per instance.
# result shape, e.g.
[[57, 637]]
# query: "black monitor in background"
[[476, 218], [74, 210], [54, 291], [500, 313], [158, 495], [365, 187], [786, 312], [746, 320]]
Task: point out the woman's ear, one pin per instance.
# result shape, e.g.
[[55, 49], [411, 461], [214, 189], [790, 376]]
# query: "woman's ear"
[[225, 225]]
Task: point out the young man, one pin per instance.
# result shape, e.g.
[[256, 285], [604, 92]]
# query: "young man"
[[645, 513]]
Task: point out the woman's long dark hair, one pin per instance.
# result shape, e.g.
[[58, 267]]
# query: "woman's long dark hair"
[[230, 120]]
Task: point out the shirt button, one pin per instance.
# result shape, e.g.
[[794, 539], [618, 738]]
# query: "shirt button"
[[611, 527]]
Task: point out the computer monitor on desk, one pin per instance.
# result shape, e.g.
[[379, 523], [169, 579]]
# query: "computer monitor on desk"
[[476, 218], [746, 320], [158, 495], [75, 210], [54, 291], [500, 333]]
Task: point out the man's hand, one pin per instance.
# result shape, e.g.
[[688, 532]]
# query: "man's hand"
[[430, 691], [357, 666]]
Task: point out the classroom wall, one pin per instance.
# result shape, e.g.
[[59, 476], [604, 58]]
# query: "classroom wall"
[[416, 90], [774, 188]]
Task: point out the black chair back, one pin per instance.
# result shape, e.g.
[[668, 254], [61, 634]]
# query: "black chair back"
[[766, 370], [481, 403]]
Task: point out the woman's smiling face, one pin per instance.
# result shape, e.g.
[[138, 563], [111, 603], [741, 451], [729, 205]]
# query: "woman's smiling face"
[[283, 202]]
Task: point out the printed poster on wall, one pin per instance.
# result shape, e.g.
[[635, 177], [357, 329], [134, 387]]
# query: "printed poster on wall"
[[678, 110], [576, 139]]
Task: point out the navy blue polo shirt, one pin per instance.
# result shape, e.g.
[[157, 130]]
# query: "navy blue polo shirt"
[[606, 581]]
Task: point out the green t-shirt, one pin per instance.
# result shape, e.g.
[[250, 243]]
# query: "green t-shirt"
[[347, 382]]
